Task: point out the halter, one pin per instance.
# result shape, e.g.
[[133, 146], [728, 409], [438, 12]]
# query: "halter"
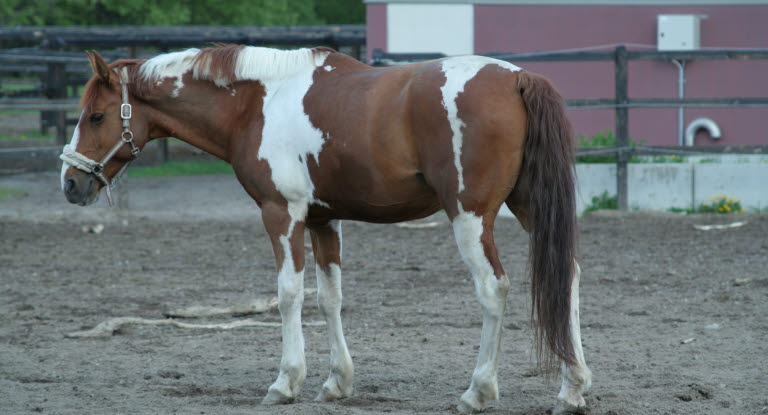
[[80, 161]]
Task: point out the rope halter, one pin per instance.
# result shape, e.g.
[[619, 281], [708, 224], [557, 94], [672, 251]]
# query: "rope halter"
[[80, 161]]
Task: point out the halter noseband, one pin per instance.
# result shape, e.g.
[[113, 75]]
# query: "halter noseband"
[[80, 161]]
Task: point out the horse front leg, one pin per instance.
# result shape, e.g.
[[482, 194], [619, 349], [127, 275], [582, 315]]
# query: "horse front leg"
[[286, 231], [326, 245], [576, 378]]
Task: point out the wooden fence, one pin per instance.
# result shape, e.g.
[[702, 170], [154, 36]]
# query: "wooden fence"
[[60, 69]]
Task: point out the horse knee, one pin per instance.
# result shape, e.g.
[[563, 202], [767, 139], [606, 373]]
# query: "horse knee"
[[290, 295]]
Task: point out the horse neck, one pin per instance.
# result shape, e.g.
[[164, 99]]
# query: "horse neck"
[[200, 116]]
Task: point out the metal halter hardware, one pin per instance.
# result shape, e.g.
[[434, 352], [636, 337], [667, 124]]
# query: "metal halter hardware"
[[80, 161]]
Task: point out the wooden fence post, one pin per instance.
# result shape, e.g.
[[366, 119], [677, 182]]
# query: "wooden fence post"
[[56, 88], [621, 75]]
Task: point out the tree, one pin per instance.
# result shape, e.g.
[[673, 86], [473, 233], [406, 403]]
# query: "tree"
[[162, 12]]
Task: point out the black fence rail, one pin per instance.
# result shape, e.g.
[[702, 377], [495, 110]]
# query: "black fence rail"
[[164, 37], [621, 102]]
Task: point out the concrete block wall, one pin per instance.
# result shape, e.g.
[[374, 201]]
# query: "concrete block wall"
[[661, 186]]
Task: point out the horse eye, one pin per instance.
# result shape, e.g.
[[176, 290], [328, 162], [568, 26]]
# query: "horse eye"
[[97, 117]]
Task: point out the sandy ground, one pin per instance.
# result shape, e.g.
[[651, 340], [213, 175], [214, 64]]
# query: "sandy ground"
[[673, 318]]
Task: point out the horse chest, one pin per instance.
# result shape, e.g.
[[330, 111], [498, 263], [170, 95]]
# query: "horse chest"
[[288, 137]]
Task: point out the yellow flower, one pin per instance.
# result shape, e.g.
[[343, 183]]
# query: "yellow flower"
[[727, 208]]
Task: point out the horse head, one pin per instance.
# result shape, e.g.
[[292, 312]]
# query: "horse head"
[[108, 136]]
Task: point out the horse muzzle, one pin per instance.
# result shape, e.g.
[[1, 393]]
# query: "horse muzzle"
[[81, 188]]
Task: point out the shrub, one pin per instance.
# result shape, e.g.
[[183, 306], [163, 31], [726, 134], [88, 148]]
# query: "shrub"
[[721, 205], [602, 201], [599, 140]]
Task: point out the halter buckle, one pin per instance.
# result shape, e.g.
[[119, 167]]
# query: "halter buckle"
[[126, 111]]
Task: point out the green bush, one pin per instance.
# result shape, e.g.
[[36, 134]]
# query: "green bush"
[[599, 140], [603, 201], [721, 205]]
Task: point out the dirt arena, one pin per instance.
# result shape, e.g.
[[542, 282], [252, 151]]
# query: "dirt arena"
[[673, 318]]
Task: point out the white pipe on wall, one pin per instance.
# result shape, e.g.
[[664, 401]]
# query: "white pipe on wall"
[[706, 123]]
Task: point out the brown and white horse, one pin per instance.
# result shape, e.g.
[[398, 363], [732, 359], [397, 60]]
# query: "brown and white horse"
[[316, 137]]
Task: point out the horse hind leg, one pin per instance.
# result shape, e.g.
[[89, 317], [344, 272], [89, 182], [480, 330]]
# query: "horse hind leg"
[[326, 245], [577, 378], [474, 237]]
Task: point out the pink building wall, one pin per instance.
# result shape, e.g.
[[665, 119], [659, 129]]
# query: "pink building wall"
[[533, 28]]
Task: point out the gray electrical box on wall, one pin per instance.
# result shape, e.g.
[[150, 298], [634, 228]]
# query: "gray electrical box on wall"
[[678, 31]]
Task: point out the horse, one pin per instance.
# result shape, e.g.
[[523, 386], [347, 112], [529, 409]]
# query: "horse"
[[316, 137]]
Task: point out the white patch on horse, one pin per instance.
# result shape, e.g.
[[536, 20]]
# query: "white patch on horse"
[[169, 65], [458, 71], [328, 68], [339, 382], [290, 294], [492, 293], [288, 136], [73, 144], [576, 379]]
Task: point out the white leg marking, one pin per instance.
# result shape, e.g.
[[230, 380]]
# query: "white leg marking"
[[339, 383], [290, 297], [458, 71], [576, 379], [492, 293]]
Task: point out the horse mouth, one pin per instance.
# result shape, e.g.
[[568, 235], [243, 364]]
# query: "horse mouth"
[[81, 190]]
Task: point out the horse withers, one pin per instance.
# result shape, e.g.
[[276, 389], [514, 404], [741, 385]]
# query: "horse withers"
[[316, 137]]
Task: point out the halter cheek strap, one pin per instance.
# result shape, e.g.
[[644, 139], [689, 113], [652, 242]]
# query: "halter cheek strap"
[[72, 157]]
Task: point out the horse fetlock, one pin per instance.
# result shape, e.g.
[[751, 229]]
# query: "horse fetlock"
[[579, 378], [583, 378]]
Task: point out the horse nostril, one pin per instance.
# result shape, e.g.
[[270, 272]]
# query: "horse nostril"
[[69, 186]]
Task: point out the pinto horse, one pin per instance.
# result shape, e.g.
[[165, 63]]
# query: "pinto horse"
[[316, 137]]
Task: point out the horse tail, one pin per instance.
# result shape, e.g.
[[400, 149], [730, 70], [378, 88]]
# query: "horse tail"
[[548, 170]]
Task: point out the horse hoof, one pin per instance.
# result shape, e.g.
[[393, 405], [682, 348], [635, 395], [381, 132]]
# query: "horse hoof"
[[465, 408], [469, 404], [326, 396], [276, 397], [563, 407]]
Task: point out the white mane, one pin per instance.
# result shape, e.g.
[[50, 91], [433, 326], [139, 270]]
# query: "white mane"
[[264, 64], [251, 63]]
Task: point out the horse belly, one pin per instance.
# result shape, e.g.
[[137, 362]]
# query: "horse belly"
[[383, 202]]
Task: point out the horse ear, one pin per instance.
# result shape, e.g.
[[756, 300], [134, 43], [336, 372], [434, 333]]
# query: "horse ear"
[[100, 67]]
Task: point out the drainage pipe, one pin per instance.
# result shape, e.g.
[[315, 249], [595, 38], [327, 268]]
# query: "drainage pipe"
[[680, 94], [712, 128]]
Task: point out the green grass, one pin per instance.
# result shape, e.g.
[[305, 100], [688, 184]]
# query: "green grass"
[[181, 168], [9, 192], [604, 201]]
